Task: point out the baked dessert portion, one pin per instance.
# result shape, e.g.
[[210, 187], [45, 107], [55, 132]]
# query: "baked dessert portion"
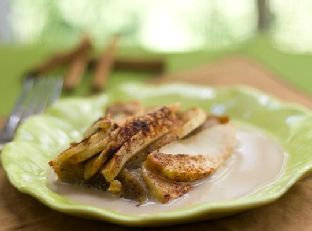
[[162, 189], [142, 153], [180, 167]]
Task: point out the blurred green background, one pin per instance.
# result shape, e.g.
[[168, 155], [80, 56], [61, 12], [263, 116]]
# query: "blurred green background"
[[186, 33]]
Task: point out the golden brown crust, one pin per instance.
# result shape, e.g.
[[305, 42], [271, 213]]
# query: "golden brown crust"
[[94, 164], [157, 122], [113, 142], [67, 164], [95, 144], [125, 132], [137, 160], [186, 123], [78, 152], [180, 167], [100, 123], [125, 136], [163, 190]]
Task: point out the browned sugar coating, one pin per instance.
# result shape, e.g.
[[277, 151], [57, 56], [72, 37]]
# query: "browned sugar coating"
[[180, 167]]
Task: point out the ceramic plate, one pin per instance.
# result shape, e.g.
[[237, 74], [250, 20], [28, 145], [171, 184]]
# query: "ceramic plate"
[[42, 137]]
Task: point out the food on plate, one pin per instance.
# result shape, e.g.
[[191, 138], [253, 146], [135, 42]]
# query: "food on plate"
[[134, 186], [180, 167], [164, 190], [142, 153]]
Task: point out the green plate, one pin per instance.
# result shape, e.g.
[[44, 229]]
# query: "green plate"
[[42, 137]]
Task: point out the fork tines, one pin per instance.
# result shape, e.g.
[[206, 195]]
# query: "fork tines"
[[37, 93]]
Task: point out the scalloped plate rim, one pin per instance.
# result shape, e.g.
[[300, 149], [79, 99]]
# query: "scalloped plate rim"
[[175, 216]]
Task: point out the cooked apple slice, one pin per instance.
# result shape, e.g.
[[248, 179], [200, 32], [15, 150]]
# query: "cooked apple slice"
[[137, 160], [64, 163], [78, 152], [162, 189], [101, 123], [96, 143], [180, 167], [142, 125], [188, 121], [113, 142], [159, 123], [129, 149], [215, 143], [193, 119]]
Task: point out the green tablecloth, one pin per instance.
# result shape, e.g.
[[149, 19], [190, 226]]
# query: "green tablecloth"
[[16, 60]]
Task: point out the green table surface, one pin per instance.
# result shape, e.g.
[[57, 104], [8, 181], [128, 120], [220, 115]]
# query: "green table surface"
[[16, 60]]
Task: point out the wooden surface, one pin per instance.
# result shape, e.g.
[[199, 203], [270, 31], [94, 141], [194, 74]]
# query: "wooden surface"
[[237, 71], [292, 212]]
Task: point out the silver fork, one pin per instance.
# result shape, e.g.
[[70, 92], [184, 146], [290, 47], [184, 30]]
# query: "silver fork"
[[36, 95]]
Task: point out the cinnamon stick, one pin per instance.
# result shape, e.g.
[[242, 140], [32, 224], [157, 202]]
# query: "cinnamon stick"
[[139, 65], [104, 66], [61, 58], [136, 64], [77, 65]]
